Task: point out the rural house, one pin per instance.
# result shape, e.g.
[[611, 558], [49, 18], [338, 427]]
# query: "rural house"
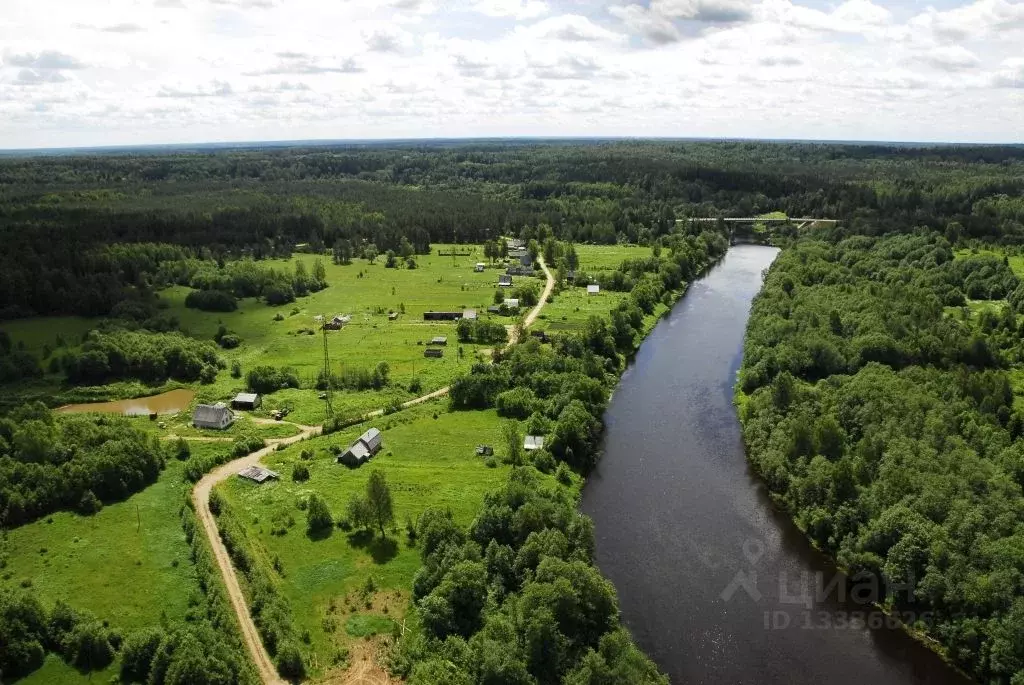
[[360, 451], [438, 340], [511, 303], [246, 400], [469, 314], [480, 266], [593, 290], [533, 442], [257, 474], [504, 281], [213, 416], [435, 352]]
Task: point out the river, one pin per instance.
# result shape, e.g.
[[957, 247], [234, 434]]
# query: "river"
[[715, 584]]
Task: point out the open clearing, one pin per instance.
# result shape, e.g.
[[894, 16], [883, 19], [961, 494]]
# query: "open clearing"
[[428, 462]]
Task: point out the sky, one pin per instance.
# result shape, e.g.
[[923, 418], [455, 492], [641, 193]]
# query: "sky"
[[132, 72]]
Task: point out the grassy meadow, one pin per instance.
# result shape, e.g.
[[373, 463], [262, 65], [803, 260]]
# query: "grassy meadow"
[[127, 564], [573, 306], [428, 462]]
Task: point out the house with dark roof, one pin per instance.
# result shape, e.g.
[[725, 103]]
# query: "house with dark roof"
[[442, 316], [360, 451], [504, 281], [435, 352], [246, 400], [216, 416]]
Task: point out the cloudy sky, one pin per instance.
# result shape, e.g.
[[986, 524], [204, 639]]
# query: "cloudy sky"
[[109, 72]]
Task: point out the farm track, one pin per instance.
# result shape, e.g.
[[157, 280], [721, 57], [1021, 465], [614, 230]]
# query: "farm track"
[[201, 501]]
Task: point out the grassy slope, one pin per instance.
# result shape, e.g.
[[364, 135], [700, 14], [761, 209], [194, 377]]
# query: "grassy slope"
[[428, 462]]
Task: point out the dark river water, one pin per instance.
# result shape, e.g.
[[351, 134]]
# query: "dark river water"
[[714, 583]]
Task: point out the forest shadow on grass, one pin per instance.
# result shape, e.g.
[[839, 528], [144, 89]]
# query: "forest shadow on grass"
[[382, 550]]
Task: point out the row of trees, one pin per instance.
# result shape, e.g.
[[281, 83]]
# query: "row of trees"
[[148, 356], [885, 423]]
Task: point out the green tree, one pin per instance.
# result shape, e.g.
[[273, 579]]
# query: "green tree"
[[318, 515], [379, 503]]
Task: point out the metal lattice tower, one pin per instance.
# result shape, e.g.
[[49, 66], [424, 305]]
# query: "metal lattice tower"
[[327, 368]]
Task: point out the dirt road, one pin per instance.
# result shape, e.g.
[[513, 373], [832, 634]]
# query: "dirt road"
[[201, 500]]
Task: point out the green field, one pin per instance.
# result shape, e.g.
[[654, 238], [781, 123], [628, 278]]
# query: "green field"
[[127, 564], [428, 462], [573, 306], [365, 291], [1016, 260]]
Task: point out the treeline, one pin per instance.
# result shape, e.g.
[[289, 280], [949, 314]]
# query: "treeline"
[[267, 203], [880, 414], [517, 599], [72, 463]]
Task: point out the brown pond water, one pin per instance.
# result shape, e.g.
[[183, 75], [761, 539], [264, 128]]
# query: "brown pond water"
[[164, 403]]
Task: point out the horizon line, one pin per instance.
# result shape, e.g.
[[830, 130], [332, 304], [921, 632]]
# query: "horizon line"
[[325, 142]]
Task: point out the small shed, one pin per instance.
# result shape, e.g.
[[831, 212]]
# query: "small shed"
[[469, 314], [258, 474], [246, 400], [392, 316], [484, 450], [360, 451], [533, 442], [504, 281], [511, 302], [438, 340], [494, 309], [593, 289], [435, 352], [480, 266], [216, 416]]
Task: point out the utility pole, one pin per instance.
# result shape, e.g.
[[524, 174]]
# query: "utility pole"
[[327, 368]]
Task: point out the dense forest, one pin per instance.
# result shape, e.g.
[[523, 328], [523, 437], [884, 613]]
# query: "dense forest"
[[880, 411], [84, 232]]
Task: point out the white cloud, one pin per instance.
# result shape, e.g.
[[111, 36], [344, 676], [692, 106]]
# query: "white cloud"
[[951, 58], [517, 9], [974, 20], [212, 89], [81, 73], [716, 11], [571, 28], [47, 59], [651, 26]]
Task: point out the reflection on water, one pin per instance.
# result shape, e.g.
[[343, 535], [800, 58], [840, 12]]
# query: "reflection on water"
[[715, 584], [164, 403]]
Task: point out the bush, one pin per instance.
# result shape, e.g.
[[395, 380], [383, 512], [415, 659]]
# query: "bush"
[[289, 662], [267, 379], [89, 504], [300, 473], [318, 515], [230, 341], [181, 449], [236, 369], [415, 385], [211, 301], [563, 474]]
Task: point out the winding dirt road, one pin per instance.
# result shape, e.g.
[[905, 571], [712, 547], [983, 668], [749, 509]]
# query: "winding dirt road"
[[201, 500]]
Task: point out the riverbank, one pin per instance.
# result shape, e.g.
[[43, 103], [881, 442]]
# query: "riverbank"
[[687, 534]]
